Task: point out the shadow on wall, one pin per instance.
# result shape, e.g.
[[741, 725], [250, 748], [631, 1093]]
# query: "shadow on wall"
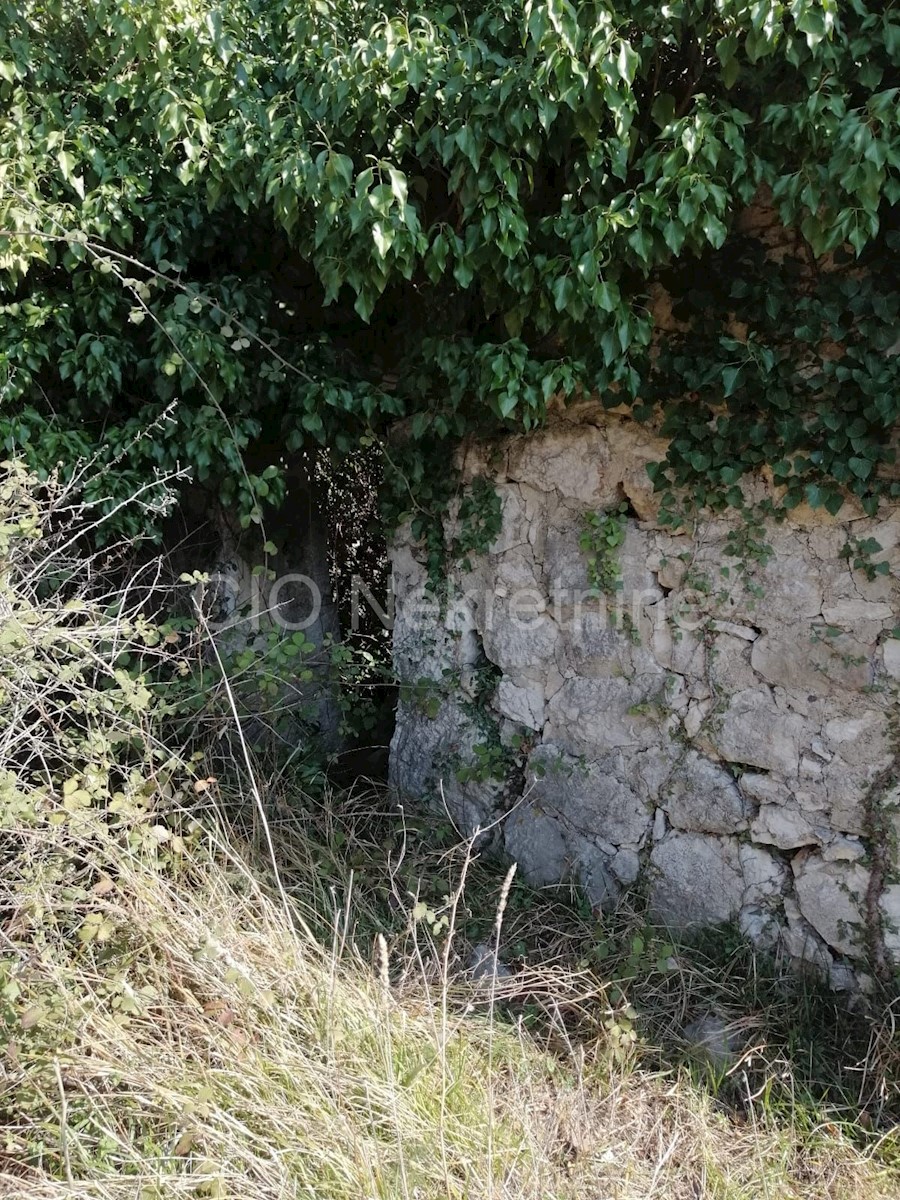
[[279, 600]]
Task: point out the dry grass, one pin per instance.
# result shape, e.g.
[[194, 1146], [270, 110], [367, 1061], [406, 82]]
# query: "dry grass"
[[207, 1045]]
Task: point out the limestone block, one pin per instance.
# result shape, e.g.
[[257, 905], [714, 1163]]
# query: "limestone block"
[[704, 798], [887, 533], [697, 712], [516, 572], [844, 849], [485, 966], [593, 647], [891, 653], [594, 716], [522, 704], [590, 798], [697, 880], [640, 585], [593, 870], [754, 731], [573, 462], [473, 807], [515, 520], [800, 659], [517, 640], [827, 542], [629, 456], [790, 580], [675, 649], [730, 668], [760, 926], [831, 896], [786, 827], [765, 876], [650, 771], [424, 753], [890, 909], [765, 789], [626, 865], [845, 789], [536, 841], [851, 613], [671, 572], [711, 1039], [565, 565], [861, 740]]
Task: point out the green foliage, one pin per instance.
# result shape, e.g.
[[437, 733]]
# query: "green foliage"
[[478, 520], [490, 760], [251, 228], [859, 552], [810, 390], [601, 538]]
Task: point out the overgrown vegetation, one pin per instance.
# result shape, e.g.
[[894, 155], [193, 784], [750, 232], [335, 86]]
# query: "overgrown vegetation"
[[242, 236], [256, 229], [212, 987], [601, 539]]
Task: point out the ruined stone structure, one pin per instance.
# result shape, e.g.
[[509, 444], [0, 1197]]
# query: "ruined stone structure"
[[717, 732]]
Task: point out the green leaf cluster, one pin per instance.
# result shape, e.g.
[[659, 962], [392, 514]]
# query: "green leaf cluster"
[[232, 232]]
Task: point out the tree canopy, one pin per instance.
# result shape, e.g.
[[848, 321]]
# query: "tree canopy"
[[230, 231]]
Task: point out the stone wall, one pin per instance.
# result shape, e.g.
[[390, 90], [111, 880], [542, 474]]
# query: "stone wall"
[[718, 737]]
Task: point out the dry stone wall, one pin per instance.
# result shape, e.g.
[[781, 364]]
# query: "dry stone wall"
[[718, 733]]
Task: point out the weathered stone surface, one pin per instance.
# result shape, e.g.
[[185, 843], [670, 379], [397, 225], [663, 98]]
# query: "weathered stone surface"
[[548, 852], [890, 916], [592, 799], [537, 842], [521, 638], [696, 880], [634, 704], [626, 865], [862, 739], [851, 613], [524, 704], [843, 849], [788, 828], [761, 926], [593, 716], [703, 797], [593, 870], [791, 581], [805, 661], [730, 668], [765, 876], [595, 647], [800, 941], [755, 731], [515, 520], [712, 1039], [891, 653], [831, 897], [765, 789], [485, 966], [571, 461]]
